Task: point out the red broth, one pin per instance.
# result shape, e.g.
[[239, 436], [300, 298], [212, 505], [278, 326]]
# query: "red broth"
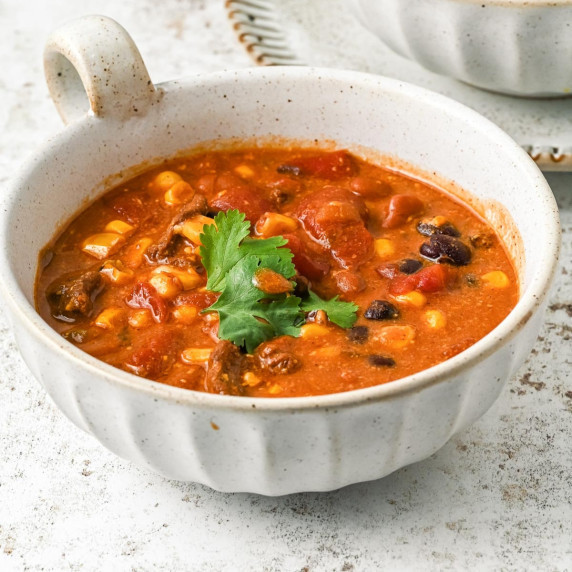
[[125, 280]]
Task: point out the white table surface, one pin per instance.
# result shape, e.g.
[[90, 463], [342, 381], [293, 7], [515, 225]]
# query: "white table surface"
[[496, 497]]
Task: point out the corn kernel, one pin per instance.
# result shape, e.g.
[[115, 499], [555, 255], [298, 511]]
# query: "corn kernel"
[[412, 298], [119, 227], [251, 379], [166, 179], [188, 277], [396, 337], [103, 244], [273, 224], [140, 319], [244, 171], [167, 285], [109, 318], [495, 279], [194, 355], [313, 331], [193, 228], [435, 319], [179, 193], [384, 247], [116, 272], [185, 314], [134, 254], [327, 352], [438, 221], [275, 389]]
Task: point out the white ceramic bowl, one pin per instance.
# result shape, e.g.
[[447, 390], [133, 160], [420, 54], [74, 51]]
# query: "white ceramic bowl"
[[519, 47], [282, 445]]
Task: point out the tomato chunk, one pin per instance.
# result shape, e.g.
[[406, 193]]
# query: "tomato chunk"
[[153, 358], [306, 265], [430, 279], [144, 295], [433, 278], [332, 166], [334, 217]]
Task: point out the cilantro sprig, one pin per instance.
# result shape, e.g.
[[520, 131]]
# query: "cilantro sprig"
[[247, 315]]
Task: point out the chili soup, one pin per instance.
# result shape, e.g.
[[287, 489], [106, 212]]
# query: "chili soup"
[[272, 272]]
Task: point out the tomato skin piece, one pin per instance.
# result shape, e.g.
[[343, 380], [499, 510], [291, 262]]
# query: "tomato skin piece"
[[154, 357], [401, 207], [433, 278], [430, 279], [331, 166], [243, 198], [145, 296]]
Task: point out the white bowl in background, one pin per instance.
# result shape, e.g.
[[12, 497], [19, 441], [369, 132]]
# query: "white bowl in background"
[[279, 445], [518, 47]]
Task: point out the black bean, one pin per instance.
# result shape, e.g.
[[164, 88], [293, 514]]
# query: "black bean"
[[443, 248], [289, 170], [428, 229], [358, 334], [410, 266], [301, 287], [381, 310], [379, 360]]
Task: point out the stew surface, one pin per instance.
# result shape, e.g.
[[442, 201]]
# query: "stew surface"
[[126, 282]]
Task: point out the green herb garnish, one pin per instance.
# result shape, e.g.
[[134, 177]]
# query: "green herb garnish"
[[247, 315]]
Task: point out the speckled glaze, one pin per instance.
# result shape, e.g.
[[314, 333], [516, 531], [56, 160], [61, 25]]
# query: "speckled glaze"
[[516, 47], [268, 446]]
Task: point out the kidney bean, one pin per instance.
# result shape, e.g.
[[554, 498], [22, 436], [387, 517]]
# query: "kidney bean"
[[369, 188], [401, 207], [446, 249], [381, 310], [206, 184], [410, 266], [379, 360], [349, 282]]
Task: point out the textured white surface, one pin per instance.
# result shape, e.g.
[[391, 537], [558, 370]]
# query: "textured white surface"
[[496, 497]]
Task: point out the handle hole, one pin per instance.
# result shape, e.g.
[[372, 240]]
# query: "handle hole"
[[66, 88]]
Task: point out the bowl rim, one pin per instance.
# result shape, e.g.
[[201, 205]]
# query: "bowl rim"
[[519, 4], [530, 301]]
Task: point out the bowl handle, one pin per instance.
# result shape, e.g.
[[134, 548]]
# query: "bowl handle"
[[92, 65]]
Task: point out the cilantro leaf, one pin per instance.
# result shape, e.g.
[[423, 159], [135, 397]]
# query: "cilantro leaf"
[[247, 317], [220, 244], [226, 242], [341, 313], [267, 248]]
